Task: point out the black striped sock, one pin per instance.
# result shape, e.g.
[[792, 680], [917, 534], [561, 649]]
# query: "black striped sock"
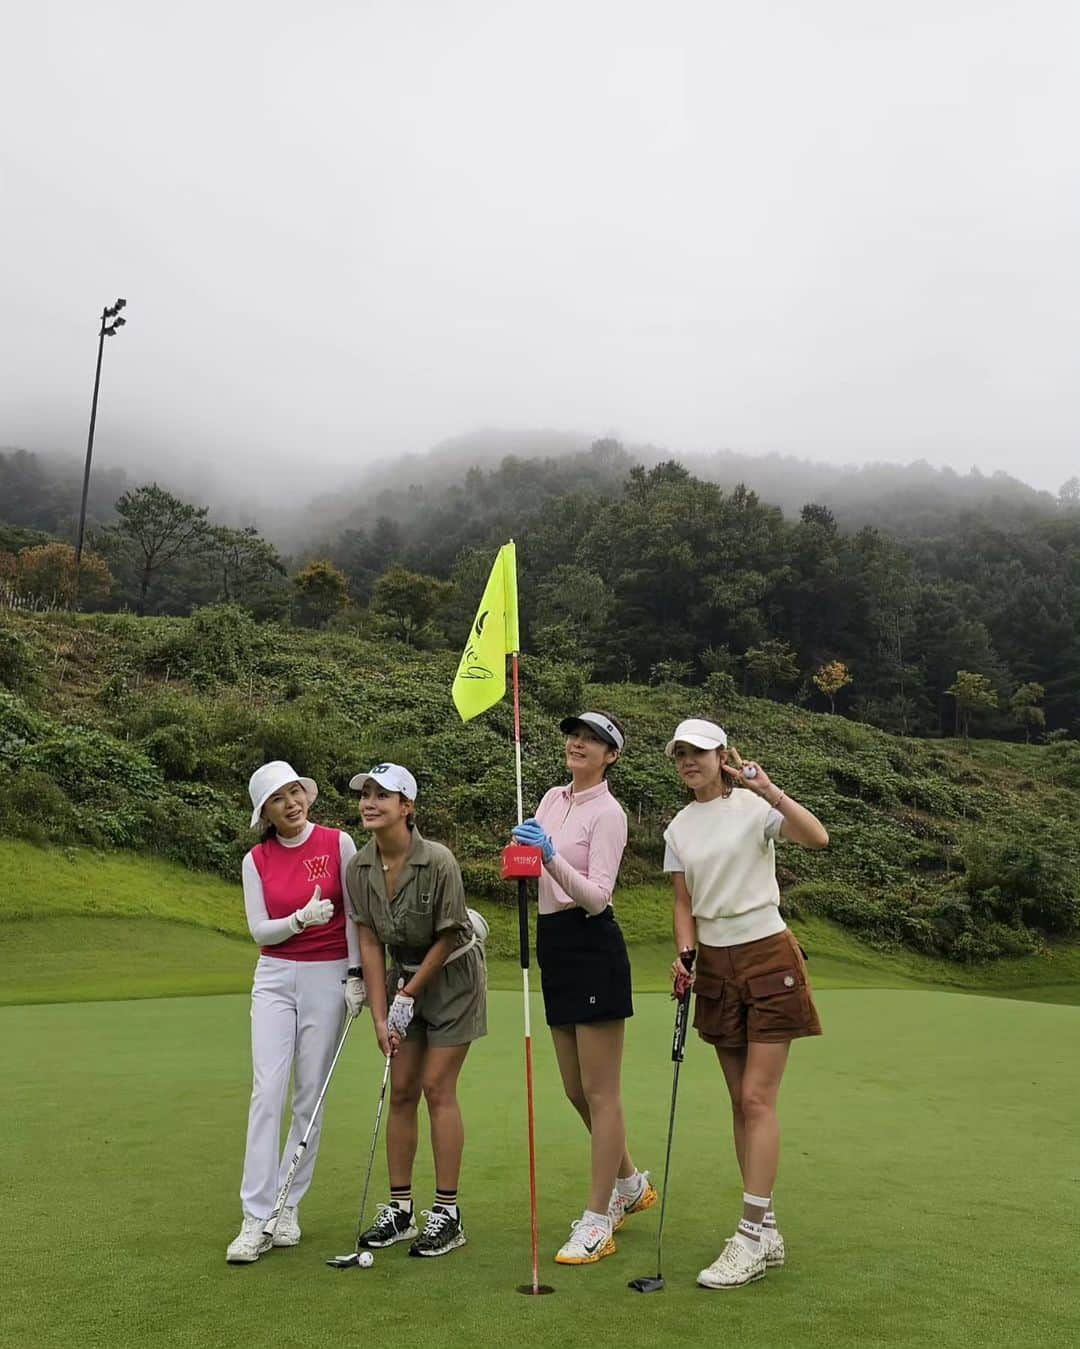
[[447, 1199], [401, 1197]]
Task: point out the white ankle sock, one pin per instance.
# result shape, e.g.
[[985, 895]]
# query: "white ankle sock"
[[628, 1186], [601, 1219], [748, 1234]]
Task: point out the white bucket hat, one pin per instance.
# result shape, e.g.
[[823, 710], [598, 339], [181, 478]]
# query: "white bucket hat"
[[700, 734], [270, 778], [390, 776]]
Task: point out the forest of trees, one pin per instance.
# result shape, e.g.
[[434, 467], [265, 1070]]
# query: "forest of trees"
[[912, 599]]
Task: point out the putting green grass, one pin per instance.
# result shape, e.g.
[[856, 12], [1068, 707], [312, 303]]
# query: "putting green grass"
[[928, 1189]]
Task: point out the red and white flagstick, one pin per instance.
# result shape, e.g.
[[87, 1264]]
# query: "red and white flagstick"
[[525, 862], [523, 941]]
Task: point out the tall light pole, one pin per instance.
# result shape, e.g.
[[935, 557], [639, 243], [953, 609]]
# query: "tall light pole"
[[110, 322]]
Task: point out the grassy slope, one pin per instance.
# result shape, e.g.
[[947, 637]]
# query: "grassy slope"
[[191, 938], [129, 1118], [901, 812]]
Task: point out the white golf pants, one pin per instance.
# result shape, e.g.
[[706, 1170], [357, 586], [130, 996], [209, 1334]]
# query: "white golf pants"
[[297, 1016]]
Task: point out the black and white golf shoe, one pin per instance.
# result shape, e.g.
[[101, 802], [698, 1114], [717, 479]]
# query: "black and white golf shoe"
[[391, 1224], [442, 1234]]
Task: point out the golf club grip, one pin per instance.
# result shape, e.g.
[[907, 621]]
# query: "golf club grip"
[[682, 1020], [682, 1013]]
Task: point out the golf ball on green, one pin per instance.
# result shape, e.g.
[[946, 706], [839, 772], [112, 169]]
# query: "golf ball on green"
[[366, 1260]]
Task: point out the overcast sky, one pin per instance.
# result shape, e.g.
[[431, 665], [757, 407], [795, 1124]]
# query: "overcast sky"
[[842, 229]]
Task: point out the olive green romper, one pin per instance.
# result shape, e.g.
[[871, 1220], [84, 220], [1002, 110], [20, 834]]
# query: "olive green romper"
[[451, 1009]]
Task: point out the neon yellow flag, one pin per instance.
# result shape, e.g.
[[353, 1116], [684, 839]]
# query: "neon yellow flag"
[[481, 675]]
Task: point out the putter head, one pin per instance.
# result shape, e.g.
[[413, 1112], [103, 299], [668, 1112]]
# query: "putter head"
[[649, 1284], [344, 1261]]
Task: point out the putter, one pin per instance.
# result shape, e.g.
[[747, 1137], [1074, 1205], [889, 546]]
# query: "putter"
[[270, 1226], [648, 1283], [352, 1260]]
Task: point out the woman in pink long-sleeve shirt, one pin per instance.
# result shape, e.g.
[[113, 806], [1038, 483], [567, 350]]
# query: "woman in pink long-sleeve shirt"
[[585, 971]]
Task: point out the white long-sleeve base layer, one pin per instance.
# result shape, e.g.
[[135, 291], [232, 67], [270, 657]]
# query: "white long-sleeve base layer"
[[297, 1015]]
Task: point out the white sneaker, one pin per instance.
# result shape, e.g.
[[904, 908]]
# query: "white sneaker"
[[249, 1244], [772, 1243], [622, 1205], [590, 1240], [733, 1267], [287, 1232]]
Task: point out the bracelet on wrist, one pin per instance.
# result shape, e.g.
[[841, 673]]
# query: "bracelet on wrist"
[[776, 803]]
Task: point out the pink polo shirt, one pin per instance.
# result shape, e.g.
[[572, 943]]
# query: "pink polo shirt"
[[589, 832]]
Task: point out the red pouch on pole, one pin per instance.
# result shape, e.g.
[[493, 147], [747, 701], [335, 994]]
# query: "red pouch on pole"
[[519, 861]]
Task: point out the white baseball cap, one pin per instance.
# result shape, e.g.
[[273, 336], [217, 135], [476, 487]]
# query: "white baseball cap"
[[390, 776], [270, 778], [604, 727], [700, 734]]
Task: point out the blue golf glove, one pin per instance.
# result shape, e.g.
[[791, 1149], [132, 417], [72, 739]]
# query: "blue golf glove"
[[533, 834]]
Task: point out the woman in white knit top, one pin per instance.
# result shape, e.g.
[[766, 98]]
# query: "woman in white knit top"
[[753, 995]]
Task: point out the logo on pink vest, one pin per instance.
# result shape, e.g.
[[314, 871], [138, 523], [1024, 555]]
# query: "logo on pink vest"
[[317, 867]]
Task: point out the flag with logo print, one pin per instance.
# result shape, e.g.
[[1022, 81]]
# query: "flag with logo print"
[[480, 681]]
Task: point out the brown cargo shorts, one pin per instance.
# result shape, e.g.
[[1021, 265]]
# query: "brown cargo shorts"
[[758, 991]]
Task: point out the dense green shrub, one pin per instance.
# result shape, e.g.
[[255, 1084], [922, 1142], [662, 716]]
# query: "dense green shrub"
[[221, 643], [175, 751], [16, 661], [19, 726], [88, 764], [36, 809], [1026, 880]]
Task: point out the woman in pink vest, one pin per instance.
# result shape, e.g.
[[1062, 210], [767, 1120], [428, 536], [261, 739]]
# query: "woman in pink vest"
[[293, 896], [585, 972]]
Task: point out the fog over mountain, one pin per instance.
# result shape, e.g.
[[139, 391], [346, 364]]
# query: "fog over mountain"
[[843, 232]]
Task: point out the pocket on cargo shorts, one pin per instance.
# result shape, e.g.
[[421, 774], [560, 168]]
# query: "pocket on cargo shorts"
[[779, 1004]]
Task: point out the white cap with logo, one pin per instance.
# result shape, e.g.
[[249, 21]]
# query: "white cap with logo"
[[390, 776], [700, 734], [270, 778]]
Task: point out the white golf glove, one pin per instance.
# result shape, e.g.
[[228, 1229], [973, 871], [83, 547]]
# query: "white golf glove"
[[317, 912], [355, 994], [401, 1013]]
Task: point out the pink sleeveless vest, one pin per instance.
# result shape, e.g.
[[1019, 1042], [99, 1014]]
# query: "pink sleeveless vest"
[[289, 877]]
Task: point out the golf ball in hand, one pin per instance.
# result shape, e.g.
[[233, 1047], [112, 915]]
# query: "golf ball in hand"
[[749, 771], [365, 1260]]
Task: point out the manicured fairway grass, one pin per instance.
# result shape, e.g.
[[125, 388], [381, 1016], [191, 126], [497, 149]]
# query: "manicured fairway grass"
[[928, 1192]]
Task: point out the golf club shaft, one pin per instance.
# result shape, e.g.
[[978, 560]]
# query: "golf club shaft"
[[371, 1153], [667, 1169], [678, 1050], [271, 1223]]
